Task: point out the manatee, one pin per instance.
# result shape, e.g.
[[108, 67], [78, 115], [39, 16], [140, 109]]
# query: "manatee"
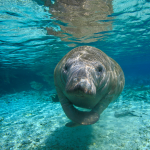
[[87, 78]]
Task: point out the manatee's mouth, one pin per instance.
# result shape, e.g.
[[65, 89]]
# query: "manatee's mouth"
[[81, 88]]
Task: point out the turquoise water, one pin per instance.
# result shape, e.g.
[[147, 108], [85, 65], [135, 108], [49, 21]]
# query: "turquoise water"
[[35, 35]]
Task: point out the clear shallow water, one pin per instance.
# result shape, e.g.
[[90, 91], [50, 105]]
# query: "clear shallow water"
[[24, 38], [32, 43], [30, 120]]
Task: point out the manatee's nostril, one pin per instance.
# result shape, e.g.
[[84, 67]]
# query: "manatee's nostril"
[[83, 80], [80, 80]]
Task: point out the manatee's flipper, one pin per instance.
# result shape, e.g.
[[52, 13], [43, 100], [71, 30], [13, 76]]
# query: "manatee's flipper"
[[77, 116], [80, 117], [103, 104]]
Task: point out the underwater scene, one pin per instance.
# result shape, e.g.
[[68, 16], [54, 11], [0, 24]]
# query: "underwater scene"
[[97, 97]]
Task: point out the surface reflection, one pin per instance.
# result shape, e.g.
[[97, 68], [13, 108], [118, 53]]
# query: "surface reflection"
[[80, 21]]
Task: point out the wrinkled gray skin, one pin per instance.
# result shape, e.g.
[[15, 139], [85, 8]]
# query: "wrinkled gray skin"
[[86, 77]]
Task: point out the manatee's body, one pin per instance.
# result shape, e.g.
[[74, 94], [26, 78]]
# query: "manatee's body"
[[86, 77]]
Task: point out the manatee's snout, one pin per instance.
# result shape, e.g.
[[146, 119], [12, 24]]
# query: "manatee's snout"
[[81, 83]]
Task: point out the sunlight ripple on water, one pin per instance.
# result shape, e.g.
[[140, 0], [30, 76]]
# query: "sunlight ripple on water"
[[24, 39]]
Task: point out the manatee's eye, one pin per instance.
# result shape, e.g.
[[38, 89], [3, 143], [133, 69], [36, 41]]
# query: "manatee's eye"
[[99, 69], [66, 67]]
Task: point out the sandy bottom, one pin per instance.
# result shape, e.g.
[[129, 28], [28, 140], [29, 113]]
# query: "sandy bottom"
[[31, 121]]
